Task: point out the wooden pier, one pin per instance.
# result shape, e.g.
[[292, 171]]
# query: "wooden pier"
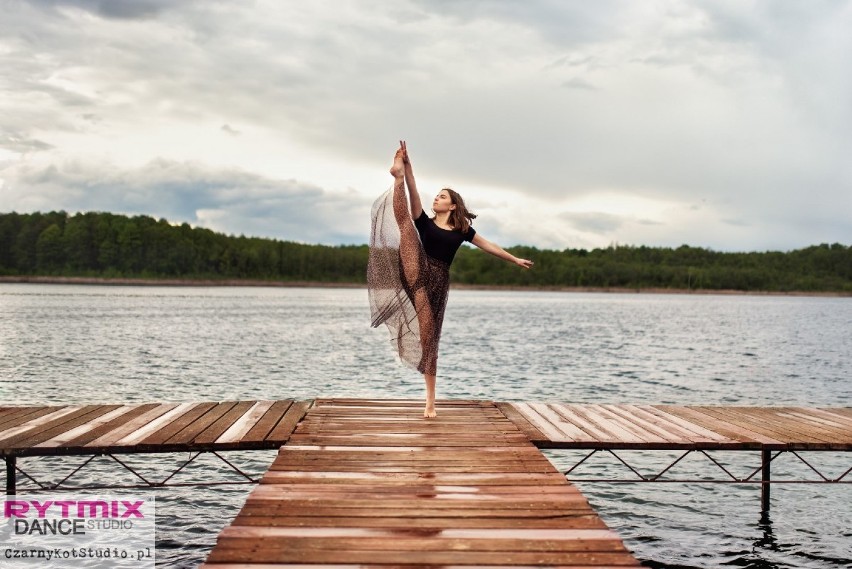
[[372, 482], [93, 430], [660, 427], [150, 427], [366, 482]]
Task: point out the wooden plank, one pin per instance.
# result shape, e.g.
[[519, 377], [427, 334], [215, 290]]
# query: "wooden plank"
[[603, 422], [289, 462], [319, 492], [690, 427], [503, 507], [448, 453], [427, 434], [266, 554], [573, 540], [756, 420], [265, 425], [673, 431], [568, 537], [156, 424], [627, 425], [187, 435], [326, 403], [218, 427], [513, 449], [745, 438], [110, 438], [445, 455], [542, 424], [312, 550], [425, 488], [593, 423], [829, 420], [572, 433], [397, 566], [843, 411], [284, 428], [417, 468], [16, 416], [428, 428], [792, 429], [816, 416], [159, 437], [741, 422], [37, 422], [631, 416], [343, 503], [534, 535], [278, 538], [244, 424], [399, 407], [419, 440], [676, 425], [442, 456], [446, 420], [86, 427], [46, 431], [79, 442], [405, 478], [413, 546], [592, 432], [407, 521], [834, 431], [521, 422]]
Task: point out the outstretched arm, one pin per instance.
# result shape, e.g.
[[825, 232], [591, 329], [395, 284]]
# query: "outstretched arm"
[[498, 251], [413, 196]]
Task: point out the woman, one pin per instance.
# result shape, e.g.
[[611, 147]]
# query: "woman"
[[408, 272]]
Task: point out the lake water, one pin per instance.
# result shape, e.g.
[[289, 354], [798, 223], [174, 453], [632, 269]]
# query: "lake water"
[[63, 344]]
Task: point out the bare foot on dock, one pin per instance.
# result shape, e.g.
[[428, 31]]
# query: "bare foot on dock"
[[429, 412]]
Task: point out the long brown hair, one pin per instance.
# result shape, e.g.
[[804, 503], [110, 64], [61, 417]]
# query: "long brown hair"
[[460, 217]]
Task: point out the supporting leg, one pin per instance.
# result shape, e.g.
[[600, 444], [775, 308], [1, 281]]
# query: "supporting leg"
[[765, 462], [10, 475], [429, 412]]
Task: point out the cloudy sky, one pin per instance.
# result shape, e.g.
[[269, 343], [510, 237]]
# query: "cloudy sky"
[[721, 124]]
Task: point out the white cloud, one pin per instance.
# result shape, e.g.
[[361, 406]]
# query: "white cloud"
[[739, 106], [230, 201]]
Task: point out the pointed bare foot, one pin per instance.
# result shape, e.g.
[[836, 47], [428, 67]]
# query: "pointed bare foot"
[[398, 168], [430, 412]]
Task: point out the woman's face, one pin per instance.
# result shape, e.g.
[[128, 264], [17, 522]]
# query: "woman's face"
[[443, 202]]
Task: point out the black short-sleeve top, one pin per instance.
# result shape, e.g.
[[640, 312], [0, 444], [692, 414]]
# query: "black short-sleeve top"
[[440, 243]]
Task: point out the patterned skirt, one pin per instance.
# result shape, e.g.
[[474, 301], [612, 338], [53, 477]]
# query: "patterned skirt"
[[407, 288]]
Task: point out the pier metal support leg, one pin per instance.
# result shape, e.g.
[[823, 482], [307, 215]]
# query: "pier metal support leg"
[[765, 462], [10, 475]]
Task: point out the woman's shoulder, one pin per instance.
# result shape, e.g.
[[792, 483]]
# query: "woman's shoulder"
[[470, 233]]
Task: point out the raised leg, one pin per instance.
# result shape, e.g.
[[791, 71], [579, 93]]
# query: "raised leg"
[[409, 242]]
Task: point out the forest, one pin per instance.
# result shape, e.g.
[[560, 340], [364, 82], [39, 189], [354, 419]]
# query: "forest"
[[107, 245]]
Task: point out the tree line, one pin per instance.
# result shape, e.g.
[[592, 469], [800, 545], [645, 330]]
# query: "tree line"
[[118, 246]]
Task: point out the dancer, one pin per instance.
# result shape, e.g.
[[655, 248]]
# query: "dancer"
[[408, 274]]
